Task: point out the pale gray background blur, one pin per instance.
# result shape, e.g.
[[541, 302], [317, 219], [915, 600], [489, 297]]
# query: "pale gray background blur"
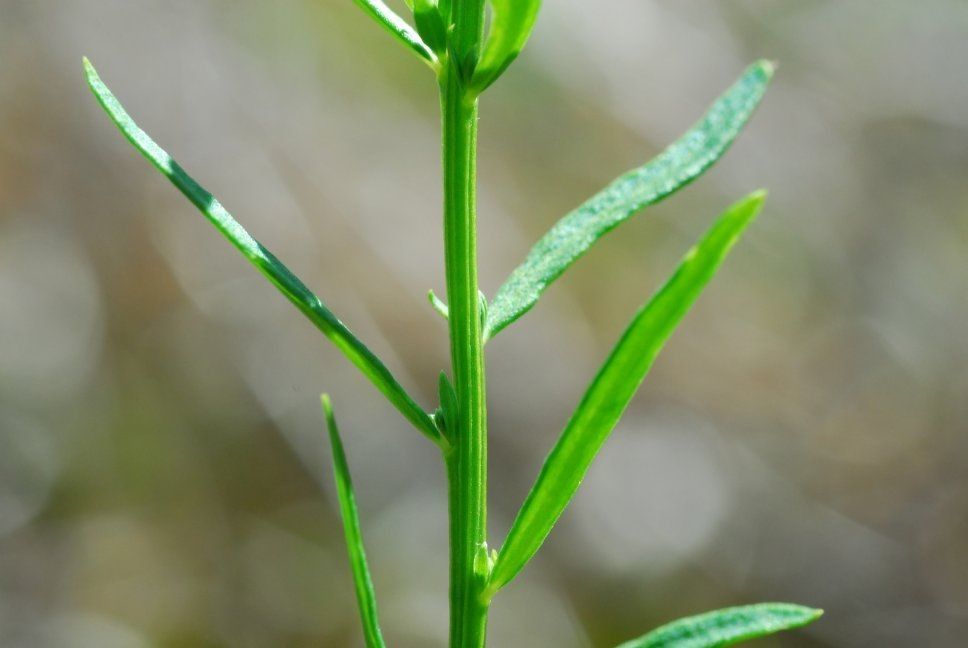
[[164, 478]]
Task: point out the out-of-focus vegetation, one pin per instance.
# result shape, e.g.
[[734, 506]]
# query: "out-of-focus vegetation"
[[163, 476]]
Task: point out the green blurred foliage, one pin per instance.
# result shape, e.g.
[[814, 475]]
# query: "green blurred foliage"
[[163, 466]]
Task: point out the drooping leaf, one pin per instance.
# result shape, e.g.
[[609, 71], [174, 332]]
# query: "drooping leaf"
[[612, 390], [677, 166], [273, 269], [511, 25], [727, 627], [397, 26], [365, 596]]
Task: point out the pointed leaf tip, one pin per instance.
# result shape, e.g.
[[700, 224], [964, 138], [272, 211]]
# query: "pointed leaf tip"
[[613, 388], [677, 166], [272, 268], [727, 626], [365, 594]]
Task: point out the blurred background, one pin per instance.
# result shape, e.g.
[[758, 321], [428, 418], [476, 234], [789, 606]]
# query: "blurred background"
[[164, 475]]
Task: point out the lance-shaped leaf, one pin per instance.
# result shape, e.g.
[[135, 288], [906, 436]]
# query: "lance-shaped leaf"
[[727, 626], [511, 25], [612, 389], [677, 166], [273, 269], [399, 28], [365, 595]]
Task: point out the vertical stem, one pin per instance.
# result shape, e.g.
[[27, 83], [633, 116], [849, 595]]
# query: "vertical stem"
[[467, 458]]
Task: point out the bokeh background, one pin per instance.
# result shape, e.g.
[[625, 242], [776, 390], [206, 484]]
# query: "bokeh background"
[[164, 476]]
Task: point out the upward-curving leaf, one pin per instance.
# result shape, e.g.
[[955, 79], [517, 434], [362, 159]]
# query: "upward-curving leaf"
[[511, 25], [430, 25], [727, 626], [397, 26], [273, 269], [612, 390], [677, 166], [365, 596]]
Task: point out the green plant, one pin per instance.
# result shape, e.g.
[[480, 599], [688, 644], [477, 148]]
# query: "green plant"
[[449, 36]]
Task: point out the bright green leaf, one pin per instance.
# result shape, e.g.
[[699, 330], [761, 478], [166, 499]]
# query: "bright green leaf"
[[430, 25], [613, 388], [678, 165], [728, 626], [365, 595], [273, 269], [511, 25], [399, 28], [445, 12]]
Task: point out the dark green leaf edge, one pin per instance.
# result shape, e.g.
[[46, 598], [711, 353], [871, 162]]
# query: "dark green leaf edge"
[[676, 167], [365, 595], [273, 269], [613, 388], [727, 626]]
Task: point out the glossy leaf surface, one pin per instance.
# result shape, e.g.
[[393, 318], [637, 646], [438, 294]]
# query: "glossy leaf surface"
[[612, 390], [728, 626], [273, 269], [397, 26], [511, 25], [677, 166], [365, 596]]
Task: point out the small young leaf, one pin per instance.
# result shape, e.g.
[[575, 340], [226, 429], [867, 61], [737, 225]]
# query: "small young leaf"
[[677, 166], [511, 25], [399, 28], [444, 311], [365, 596], [438, 304], [728, 626], [448, 406], [612, 390], [430, 25], [273, 269]]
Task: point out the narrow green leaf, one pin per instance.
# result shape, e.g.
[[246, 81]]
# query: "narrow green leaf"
[[728, 626], [397, 26], [511, 25], [430, 25], [273, 269], [365, 595], [612, 390], [677, 166]]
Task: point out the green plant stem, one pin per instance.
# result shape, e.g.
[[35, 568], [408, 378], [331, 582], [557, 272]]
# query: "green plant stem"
[[467, 457]]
